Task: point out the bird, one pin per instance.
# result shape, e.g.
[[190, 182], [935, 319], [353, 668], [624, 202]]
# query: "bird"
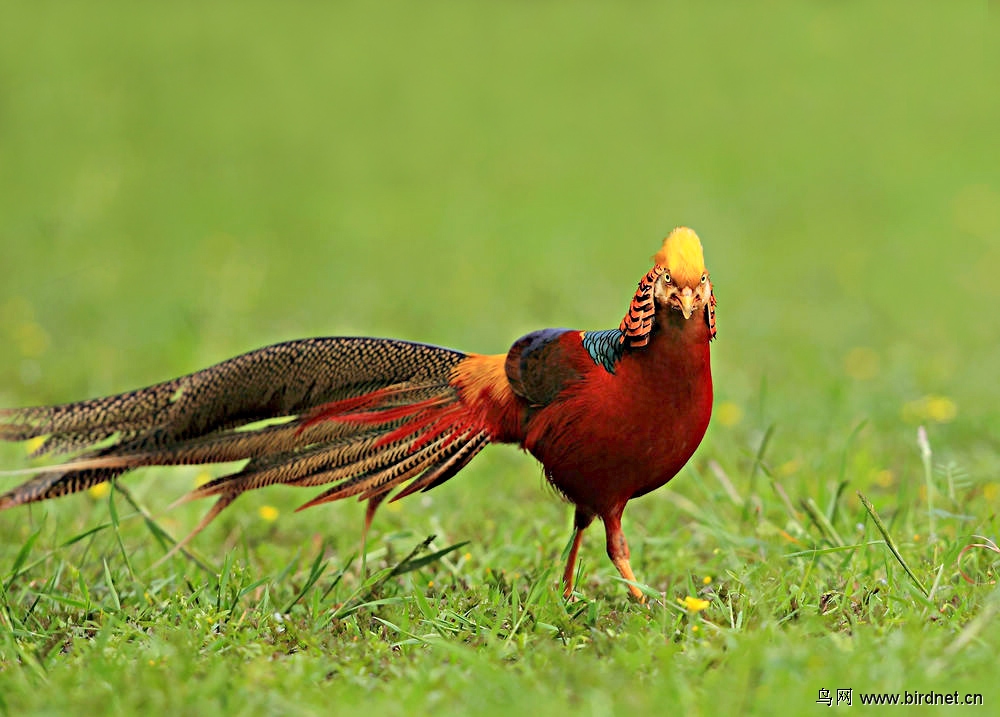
[[610, 414]]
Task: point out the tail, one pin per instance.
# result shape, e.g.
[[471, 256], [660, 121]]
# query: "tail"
[[366, 415]]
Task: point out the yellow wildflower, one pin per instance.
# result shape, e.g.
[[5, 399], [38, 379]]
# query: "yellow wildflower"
[[100, 490], [728, 414], [693, 604], [707, 580], [31, 339], [789, 467], [268, 513], [34, 444], [939, 409], [884, 477]]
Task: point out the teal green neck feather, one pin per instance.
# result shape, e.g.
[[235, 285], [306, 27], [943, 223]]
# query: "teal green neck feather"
[[604, 347]]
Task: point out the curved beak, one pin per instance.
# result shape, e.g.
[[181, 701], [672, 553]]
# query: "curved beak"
[[686, 298]]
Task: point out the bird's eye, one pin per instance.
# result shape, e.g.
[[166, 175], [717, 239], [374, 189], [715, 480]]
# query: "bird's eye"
[[704, 278], [666, 278]]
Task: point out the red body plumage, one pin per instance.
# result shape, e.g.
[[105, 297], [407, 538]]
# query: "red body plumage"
[[614, 437]]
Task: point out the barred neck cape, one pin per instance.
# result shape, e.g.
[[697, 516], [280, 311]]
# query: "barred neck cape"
[[610, 414]]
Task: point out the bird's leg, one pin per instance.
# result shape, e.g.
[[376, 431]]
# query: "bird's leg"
[[618, 551], [581, 520]]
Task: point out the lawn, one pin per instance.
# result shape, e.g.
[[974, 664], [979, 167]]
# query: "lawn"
[[181, 184]]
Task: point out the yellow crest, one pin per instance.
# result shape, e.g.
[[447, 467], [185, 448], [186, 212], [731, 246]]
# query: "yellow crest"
[[682, 256]]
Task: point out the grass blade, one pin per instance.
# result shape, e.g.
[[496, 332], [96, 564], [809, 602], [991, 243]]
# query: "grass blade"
[[757, 464], [315, 573], [415, 564], [111, 586], [890, 543], [115, 523], [822, 522], [21, 557], [926, 457]]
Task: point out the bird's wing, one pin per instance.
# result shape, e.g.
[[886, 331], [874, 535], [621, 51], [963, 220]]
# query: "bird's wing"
[[543, 363]]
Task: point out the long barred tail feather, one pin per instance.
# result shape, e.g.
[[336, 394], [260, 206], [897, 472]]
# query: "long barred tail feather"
[[446, 469], [365, 415], [52, 484]]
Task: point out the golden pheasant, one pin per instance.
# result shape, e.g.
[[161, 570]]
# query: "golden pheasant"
[[611, 415]]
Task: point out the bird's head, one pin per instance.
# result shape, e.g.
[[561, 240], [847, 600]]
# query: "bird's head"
[[683, 283], [678, 281]]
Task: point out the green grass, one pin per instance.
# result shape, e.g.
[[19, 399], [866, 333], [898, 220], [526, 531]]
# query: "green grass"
[[180, 185]]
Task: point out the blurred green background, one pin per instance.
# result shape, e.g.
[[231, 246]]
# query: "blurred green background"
[[181, 183]]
